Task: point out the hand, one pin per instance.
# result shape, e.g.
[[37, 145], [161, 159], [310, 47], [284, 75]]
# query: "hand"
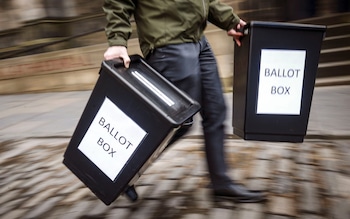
[[236, 34], [115, 52]]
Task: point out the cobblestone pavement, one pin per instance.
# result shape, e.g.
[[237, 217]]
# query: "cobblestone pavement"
[[304, 180], [308, 180]]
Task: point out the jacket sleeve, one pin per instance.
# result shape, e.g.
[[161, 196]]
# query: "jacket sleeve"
[[222, 15], [118, 28]]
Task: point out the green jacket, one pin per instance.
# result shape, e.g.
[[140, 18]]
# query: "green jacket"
[[163, 22]]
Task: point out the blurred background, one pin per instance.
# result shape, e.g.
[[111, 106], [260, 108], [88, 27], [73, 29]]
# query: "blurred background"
[[43, 41]]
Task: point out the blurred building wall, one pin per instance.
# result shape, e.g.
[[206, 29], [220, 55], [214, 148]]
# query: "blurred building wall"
[[63, 40], [25, 23]]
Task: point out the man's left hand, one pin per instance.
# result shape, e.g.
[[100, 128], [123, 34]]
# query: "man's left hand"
[[236, 34]]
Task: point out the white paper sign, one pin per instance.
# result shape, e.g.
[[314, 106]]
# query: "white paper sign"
[[111, 139], [281, 81]]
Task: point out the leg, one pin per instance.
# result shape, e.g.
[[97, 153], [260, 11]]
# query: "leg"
[[179, 64], [192, 68], [213, 113]]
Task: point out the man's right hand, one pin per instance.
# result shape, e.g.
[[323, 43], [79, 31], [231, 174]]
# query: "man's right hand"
[[115, 52]]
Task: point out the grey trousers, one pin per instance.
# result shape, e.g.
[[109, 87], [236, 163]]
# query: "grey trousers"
[[192, 67]]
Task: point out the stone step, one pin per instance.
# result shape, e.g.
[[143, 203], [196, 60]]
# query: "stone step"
[[327, 20], [335, 55], [332, 69], [336, 41], [338, 29], [335, 52]]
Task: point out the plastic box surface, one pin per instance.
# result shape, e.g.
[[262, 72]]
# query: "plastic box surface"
[[274, 77], [129, 118]]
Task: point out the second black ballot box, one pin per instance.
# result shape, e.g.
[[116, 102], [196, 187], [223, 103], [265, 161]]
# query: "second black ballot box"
[[129, 119], [274, 77]]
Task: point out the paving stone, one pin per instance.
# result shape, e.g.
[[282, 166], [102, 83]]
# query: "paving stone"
[[70, 188], [288, 153], [284, 165], [194, 216], [43, 207], [40, 198], [17, 213], [269, 216], [282, 206], [329, 182], [263, 154], [77, 195], [189, 183], [343, 185], [277, 149], [35, 180], [98, 209], [238, 174], [174, 206], [149, 179], [252, 206], [118, 213], [52, 164], [34, 190], [328, 160], [148, 208], [10, 195], [31, 174], [162, 188], [340, 209], [261, 170], [74, 211], [221, 213], [144, 190], [306, 147], [344, 149], [177, 202], [309, 200], [306, 172], [250, 214], [18, 148], [311, 216], [258, 184], [177, 173], [10, 205], [202, 198], [282, 184], [304, 158], [11, 177], [7, 187], [251, 210], [199, 168]]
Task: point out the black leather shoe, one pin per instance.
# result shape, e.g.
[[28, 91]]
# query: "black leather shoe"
[[238, 193]]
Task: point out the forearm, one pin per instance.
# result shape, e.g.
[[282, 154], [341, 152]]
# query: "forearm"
[[222, 15], [118, 28]]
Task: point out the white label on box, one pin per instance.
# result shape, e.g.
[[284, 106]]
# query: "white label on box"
[[281, 81], [111, 139]]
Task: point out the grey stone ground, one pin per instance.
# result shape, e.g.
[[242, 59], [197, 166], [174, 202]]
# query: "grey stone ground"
[[308, 180]]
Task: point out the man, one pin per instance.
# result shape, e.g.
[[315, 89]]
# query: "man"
[[172, 41]]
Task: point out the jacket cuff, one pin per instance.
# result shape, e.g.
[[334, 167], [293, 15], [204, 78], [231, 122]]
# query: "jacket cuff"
[[117, 42], [234, 23]]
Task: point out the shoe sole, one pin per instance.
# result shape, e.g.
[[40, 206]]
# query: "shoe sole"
[[238, 200]]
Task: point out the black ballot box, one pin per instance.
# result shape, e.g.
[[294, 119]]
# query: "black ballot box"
[[274, 77], [129, 119]]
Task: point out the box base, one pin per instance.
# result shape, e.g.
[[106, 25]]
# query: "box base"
[[269, 137]]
